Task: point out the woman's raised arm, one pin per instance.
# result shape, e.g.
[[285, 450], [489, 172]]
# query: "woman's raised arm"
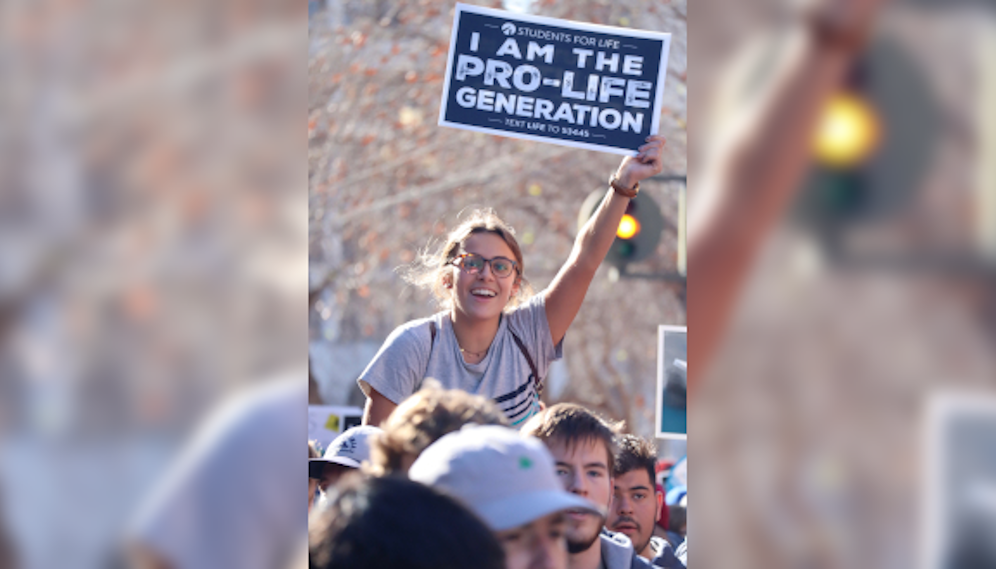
[[566, 293]]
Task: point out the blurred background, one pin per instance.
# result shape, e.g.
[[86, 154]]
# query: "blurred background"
[[385, 182], [153, 264], [812, 436], [153, 249]]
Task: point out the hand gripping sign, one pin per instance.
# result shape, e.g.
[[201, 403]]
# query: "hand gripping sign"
[[581, 85]]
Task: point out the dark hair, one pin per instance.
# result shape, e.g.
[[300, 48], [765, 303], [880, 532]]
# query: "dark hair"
[[370, 523], [635, 452], [422, 419], [571, 424]]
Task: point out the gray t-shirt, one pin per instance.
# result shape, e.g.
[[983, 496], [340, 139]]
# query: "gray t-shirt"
[[409, 355]]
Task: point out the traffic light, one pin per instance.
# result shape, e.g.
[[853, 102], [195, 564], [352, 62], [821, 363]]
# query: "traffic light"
[[872, 144], [638, 233]]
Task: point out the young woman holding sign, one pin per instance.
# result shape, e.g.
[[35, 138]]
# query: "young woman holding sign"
[[492, 340]]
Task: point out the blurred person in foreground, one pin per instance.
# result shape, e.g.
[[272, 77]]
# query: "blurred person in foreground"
[[636, 503], [758, 160], [583, 446], [509, 481], [422, 419], [394, 523], [232, 499], [345, 453], [492, 339]]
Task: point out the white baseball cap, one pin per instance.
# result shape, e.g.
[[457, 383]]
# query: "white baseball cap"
[[350, 448], [506, 478]]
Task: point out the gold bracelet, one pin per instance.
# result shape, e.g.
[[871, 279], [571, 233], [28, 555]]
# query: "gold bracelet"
[[624, 192]]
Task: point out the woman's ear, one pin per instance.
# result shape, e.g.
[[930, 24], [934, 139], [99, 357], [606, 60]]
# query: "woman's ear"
[[516, 285], [447, 279]]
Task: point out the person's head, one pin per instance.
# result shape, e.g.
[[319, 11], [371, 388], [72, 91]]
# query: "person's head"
[[509, 481], [344, 454], [371, 523], [583, 447], [312, 482], [636, 504], [422, 419], [462, 281]]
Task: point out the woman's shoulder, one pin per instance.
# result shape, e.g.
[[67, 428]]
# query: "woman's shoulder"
[[419, 330], [526, 312]]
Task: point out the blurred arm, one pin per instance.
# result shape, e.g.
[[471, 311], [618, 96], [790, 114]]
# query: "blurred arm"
[[756, 171]]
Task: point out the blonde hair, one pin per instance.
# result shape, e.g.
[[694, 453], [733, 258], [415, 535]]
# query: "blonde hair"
[[422, 419], [430, 269]]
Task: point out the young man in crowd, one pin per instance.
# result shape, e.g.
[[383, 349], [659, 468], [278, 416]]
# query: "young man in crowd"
[[583, 447], [510, 482], [636, 503], [345, 454]]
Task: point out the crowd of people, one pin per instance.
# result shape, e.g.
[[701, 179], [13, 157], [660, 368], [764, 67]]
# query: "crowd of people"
[[473, 456], [446, 482]]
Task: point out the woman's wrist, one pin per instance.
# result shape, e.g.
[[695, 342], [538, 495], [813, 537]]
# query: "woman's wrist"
[[624, 185]]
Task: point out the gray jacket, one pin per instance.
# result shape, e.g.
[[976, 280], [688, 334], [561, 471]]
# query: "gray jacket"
[[618, 553]]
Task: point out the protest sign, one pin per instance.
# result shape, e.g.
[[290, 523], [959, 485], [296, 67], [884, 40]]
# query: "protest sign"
[[326, 422], [672, 382], [557, 81]]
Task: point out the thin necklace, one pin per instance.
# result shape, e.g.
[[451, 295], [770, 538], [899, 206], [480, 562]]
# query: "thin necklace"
[[475, 354]]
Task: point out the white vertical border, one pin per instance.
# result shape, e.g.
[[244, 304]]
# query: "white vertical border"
[[659, 407], [942, 409], [663, 37]]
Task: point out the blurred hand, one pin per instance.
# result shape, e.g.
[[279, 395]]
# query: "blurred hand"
[[634, 169], [844, 18]]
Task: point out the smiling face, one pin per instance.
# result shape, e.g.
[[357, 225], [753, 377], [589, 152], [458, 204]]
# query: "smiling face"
[[583, 468], [482, 296], [635, 507]]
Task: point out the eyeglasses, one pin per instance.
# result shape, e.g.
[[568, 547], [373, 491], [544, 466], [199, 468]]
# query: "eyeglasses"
[[474, 263]]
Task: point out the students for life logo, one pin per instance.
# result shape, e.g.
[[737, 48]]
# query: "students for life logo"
[[508, 28]]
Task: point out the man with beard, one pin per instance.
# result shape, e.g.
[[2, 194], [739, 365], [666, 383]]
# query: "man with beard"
[[583, 448], [636, 503]]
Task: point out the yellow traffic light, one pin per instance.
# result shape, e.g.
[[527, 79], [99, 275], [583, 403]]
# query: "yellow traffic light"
[[628, 227], [848, 132]]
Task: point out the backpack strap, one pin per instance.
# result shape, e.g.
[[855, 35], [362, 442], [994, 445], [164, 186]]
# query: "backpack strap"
[[432, 341], [532, 365]]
